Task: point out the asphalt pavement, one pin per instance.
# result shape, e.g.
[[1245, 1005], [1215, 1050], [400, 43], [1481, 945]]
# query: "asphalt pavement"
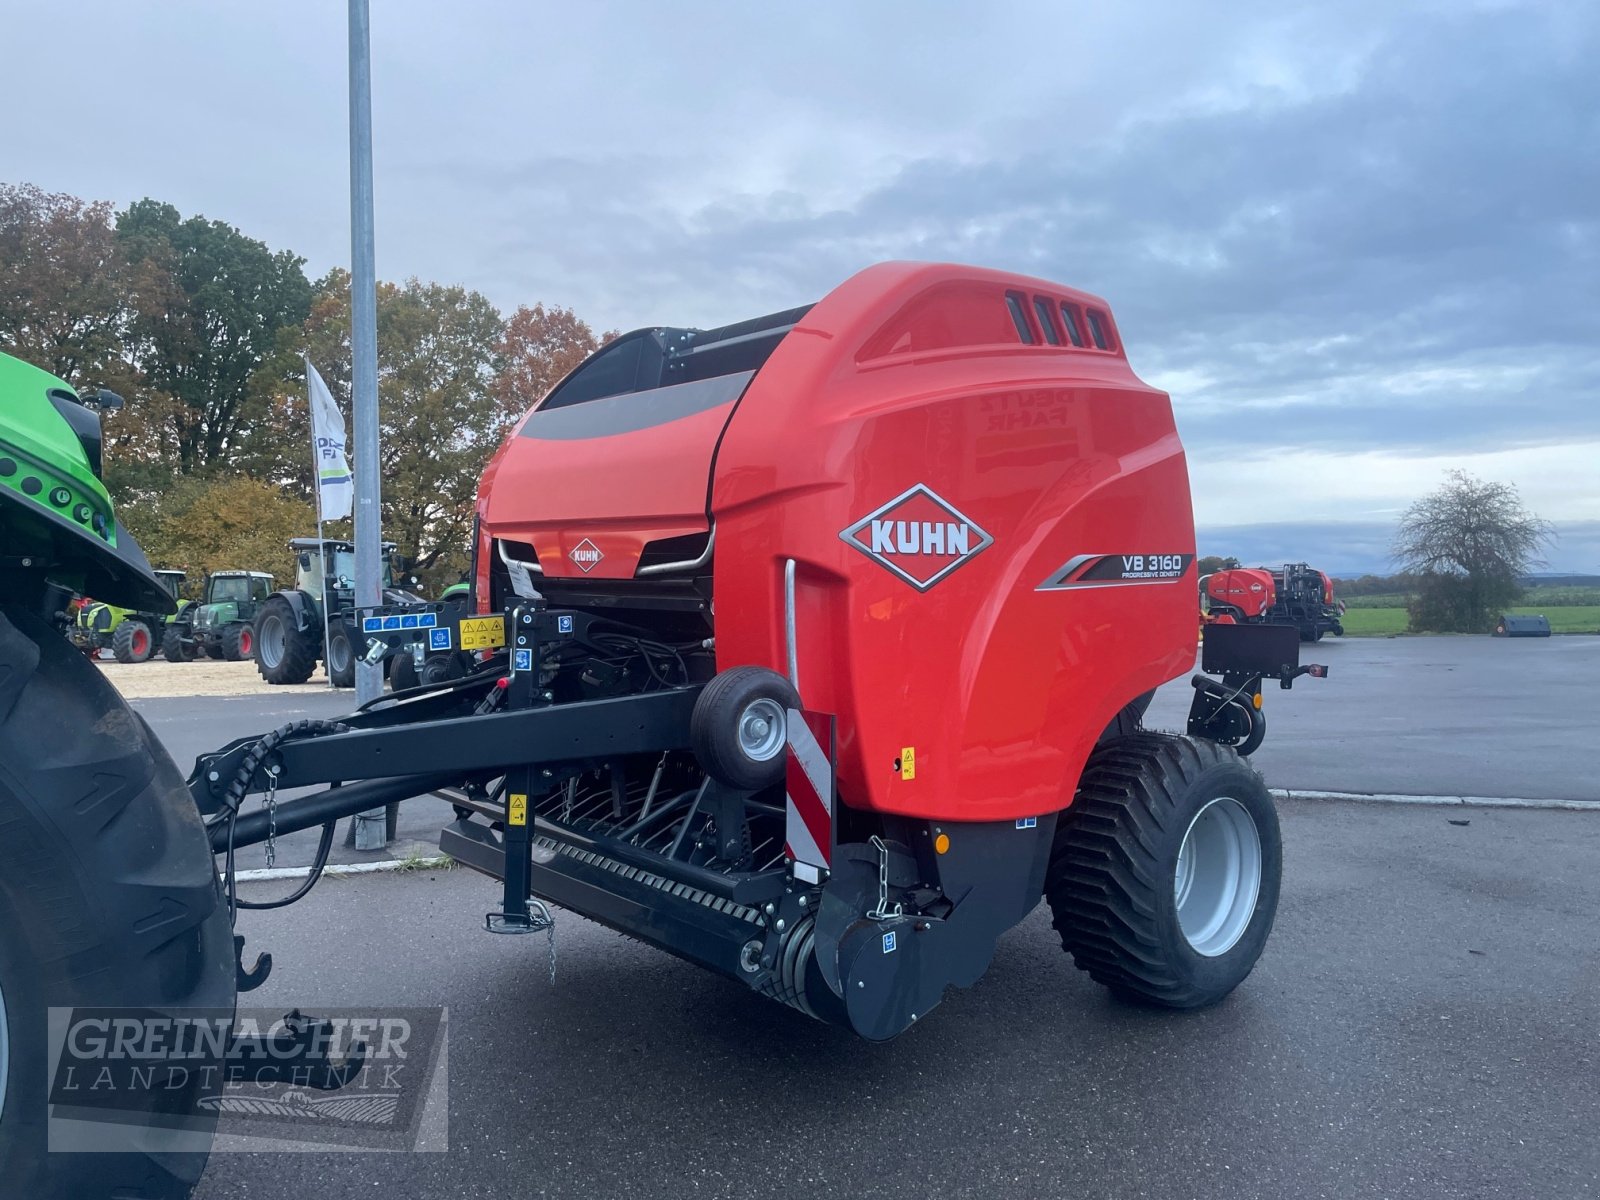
[[1474, 716], [1423, 1024]]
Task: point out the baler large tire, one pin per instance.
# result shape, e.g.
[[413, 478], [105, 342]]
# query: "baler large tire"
[[738, 727], [284, 652], [341, 661], [1164, 876], [108, 899], [133, 642]]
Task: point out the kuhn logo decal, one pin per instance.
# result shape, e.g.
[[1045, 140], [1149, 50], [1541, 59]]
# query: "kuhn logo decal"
[[918, 536], [1118, 570], [586, 555]]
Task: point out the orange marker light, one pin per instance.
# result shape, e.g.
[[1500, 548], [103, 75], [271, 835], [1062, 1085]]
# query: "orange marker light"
[[942, 843]]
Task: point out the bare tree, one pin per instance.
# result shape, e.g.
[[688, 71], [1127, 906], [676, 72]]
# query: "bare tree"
[[1468, 542]]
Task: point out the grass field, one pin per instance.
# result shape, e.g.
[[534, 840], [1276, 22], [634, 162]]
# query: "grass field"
[[1381, 622], [1533, 599]]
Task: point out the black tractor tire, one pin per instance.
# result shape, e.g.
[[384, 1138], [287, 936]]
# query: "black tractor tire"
[[133, 642], [238, 642], [214, 651], [1117, 871], [402, 671], [722, 717], [174, 647], [341, 660], [285, 653], [108, 899]]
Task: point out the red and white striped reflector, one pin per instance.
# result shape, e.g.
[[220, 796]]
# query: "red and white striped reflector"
[[808, 784]]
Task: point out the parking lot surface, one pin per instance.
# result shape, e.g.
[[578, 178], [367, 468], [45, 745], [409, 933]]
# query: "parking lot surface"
[[1423, 1024], [1473, 716]]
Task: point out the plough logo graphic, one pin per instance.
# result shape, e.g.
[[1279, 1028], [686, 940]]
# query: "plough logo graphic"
[[586, 555], [919, 536]]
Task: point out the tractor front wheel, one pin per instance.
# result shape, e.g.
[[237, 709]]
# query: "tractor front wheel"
[[108, 903], [285, 653], [174, 645], [1164, 876], [133, 642], [238, 643]]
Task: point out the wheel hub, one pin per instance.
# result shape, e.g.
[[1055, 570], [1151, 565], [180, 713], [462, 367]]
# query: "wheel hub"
[[270, 652], [761, 730], [1218, 876]]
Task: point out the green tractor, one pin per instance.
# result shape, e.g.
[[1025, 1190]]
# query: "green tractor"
[[108, 892], [132, 636], [289, 629], [222, 625]]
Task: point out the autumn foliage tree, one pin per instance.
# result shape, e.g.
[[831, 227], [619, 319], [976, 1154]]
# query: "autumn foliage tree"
[[1468, 543], [226, 523], [64, 284], [203, 330]]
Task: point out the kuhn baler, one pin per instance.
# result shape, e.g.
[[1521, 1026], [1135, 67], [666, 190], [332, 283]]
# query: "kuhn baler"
[[812, 649], [816, 648]]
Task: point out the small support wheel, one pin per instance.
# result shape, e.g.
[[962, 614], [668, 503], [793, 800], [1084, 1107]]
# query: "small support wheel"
[[739, 728]]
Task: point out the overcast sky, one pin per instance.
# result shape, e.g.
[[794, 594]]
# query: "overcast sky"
[[1359, 242]]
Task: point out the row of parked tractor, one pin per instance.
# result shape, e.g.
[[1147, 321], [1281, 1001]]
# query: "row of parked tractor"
[[286, 631]]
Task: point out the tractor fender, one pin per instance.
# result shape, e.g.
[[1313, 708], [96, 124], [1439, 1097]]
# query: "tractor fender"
[[304, 609]]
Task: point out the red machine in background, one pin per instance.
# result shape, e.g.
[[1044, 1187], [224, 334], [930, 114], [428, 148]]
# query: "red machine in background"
[[1296, 594], [1239, 594]]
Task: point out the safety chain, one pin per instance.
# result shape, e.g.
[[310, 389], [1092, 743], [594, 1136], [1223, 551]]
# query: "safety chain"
[[272, 814], [550, 934], [883, 912]]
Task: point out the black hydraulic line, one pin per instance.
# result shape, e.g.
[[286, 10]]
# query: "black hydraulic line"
[[330, 805]]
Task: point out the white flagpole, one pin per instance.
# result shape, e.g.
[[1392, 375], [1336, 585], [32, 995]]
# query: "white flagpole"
[[316, 499]]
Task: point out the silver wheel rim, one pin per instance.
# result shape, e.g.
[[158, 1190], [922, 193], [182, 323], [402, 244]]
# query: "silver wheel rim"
[[5, 1054], [761, 730], [338, 655], [1218, 876], [269, 644]]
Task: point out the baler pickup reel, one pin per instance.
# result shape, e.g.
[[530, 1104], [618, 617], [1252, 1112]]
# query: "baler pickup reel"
[[1230, 712]]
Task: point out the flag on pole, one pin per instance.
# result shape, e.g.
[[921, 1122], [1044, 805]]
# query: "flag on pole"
[[335, 488]]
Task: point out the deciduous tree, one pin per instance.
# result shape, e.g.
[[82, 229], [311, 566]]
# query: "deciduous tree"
[[201, 525], [64, 284], [210, 307], [1469, 542]]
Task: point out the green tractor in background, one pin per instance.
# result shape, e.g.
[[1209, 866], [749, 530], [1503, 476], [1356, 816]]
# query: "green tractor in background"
[[108, 891], [289, 629], [222, 625], [133, 636]]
